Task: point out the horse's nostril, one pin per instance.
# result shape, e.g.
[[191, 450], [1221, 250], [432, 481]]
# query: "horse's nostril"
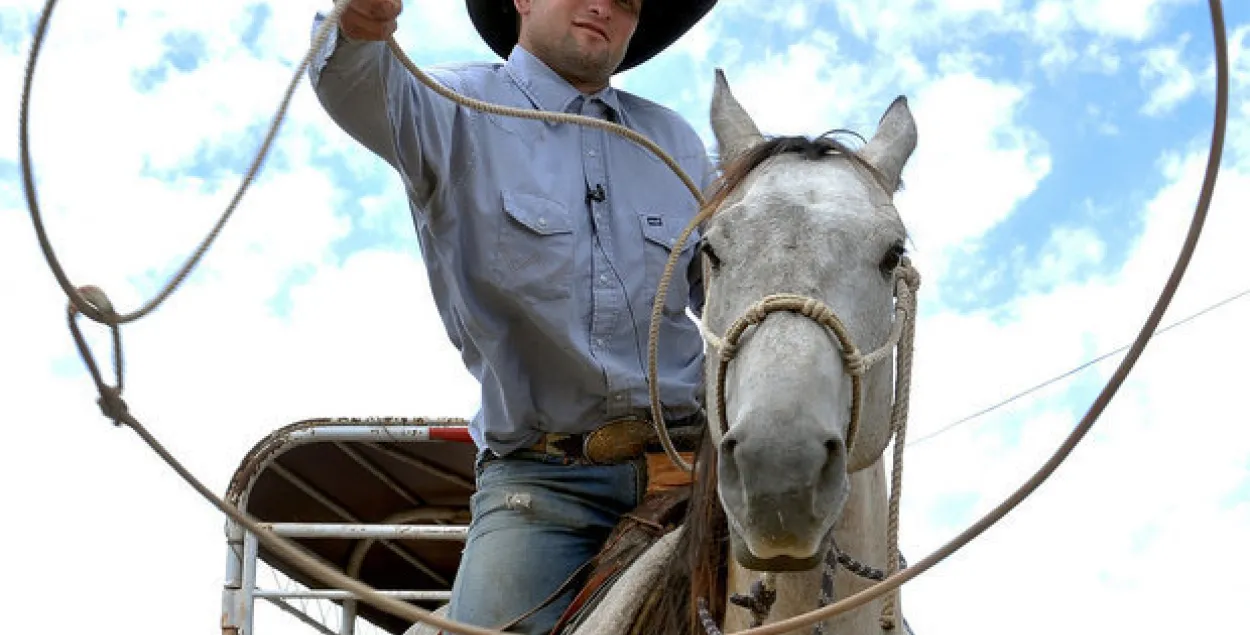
[[729, 445], [835, 450]]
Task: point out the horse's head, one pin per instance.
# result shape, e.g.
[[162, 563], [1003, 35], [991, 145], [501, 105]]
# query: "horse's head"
[[804, 219]]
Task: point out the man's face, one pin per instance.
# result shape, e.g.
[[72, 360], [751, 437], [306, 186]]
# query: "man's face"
[[583, 40]]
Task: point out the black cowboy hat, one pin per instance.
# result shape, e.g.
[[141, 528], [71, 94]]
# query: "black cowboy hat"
[[660, 24]]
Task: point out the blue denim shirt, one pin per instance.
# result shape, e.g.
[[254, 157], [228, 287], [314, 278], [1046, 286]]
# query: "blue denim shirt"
[[543, 242]]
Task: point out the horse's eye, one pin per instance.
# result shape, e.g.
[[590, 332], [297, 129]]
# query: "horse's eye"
[[707, 250], [893, 258]]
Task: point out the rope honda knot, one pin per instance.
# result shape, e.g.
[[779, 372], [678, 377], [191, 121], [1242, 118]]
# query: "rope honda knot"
[[112, 405], [99, 308]]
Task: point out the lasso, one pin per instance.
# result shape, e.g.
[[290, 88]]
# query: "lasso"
[[94, 303]]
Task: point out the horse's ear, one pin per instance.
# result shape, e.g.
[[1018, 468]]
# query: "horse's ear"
[[735, 131], [892, 145]]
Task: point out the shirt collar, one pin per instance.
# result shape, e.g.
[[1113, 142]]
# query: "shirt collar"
[[547, 89]]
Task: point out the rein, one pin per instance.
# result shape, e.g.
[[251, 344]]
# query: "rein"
[[94, 303]]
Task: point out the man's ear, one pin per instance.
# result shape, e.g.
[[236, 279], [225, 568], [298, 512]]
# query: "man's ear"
[[522, 7]]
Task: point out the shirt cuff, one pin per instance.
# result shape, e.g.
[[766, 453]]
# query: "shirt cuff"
[[335, 39]]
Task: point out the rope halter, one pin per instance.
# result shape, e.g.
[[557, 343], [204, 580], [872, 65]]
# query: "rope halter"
[[856, 364]]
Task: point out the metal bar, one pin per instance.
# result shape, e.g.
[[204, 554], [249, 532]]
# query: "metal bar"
[[336, 594], [251, 549], [357, 559], [234, 561], [347, 623], [316, 494], [358, 532], [300, 615], [422, 465], [231, 600], [381, 475], [381, 433]]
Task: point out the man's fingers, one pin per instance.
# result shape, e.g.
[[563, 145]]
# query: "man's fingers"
[[381, 10], [386, 9], [358, 21]]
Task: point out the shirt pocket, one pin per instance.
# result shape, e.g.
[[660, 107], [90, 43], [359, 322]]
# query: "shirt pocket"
[[660, 232], [534, 248]]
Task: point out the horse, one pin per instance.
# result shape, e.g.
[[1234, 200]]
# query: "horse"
[[789, 478]]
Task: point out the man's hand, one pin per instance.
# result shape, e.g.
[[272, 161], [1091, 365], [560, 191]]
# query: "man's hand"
[[370, 19]]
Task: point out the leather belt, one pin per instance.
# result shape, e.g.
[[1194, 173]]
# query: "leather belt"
[[620, 440]]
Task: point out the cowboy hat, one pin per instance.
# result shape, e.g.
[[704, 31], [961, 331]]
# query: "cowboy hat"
[[660, 24]]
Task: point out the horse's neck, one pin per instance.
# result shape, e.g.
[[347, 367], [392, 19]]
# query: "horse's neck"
[[861, 534]]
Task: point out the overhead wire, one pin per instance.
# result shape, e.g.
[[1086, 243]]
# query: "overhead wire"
[[1024, 393]]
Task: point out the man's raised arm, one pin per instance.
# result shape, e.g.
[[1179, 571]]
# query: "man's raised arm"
[[374, 99]]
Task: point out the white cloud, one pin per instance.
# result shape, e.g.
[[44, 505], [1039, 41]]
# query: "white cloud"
[[433, 27], [1169, 79], [974, 163], [893, 23], [1069, 251], [767, 88], [1131, 19]]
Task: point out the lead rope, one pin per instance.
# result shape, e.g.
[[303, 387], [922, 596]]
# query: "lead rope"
[[909, 284], [99, 309]]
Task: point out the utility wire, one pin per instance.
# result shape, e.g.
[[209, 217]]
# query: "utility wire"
[[1025, 393]]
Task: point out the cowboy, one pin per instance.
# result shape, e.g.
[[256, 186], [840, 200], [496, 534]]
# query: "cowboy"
[[544, 244]]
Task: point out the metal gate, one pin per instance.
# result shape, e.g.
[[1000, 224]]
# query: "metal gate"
[[384, 500]]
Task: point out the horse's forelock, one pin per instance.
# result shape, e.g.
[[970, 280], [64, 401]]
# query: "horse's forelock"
[[735, 172]]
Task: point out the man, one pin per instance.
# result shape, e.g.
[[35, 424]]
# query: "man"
[[544, 244]]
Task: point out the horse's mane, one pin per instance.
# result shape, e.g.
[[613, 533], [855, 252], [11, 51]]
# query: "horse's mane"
[[699, 568]]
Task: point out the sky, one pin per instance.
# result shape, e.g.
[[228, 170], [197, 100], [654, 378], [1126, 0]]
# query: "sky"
[[1060, 157]]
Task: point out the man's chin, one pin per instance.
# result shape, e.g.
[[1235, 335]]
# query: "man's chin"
[[590, 70]]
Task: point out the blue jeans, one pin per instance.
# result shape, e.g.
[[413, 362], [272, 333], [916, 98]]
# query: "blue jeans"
[[536, 519]]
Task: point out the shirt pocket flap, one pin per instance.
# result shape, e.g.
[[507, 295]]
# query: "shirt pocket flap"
[[664, 231], [542, 216]]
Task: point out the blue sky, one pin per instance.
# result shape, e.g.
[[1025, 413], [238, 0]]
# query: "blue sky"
[[1060, 152]]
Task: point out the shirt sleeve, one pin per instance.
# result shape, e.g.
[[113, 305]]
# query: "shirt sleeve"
[[372, 97]]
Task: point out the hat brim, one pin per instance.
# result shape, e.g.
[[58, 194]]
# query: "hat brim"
[[661, 23]]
